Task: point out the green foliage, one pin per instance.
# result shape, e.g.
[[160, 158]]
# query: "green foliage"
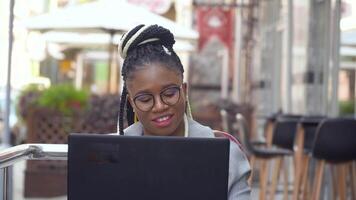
[[347, 107], [64, 98], [27, 99]]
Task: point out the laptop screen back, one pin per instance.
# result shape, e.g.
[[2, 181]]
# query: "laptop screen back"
[[139, 167]]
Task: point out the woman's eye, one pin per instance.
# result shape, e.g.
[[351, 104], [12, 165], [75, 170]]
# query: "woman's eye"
[[170, 92], [144, 98]]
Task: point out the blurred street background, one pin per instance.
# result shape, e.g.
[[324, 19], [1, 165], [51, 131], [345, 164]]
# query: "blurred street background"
[[280, 67]]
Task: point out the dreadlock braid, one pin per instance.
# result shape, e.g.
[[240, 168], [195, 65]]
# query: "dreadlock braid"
[[130, 113], [141, 46], [123, 100]]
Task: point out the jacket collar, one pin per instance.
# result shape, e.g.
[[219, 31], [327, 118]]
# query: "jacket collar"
[[194, 129]]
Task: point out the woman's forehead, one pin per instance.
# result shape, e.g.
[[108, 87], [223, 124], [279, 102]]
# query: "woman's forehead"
[[155, 76], [154, 69]]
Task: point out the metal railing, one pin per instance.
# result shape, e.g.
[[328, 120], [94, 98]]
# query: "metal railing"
[[12, 155]]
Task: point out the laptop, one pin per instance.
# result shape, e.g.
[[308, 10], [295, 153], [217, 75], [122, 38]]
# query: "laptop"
[[113, 167]]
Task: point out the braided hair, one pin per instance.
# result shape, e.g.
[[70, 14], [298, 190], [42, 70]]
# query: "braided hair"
[[139, 47]]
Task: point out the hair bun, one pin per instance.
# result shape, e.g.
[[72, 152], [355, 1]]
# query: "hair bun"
[[143, 34]]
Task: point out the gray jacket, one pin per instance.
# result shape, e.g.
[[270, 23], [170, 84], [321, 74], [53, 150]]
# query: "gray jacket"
[[239, 167]]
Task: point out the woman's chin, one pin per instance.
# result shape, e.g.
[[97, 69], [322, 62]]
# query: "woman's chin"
[[159, 133], [162, 132]]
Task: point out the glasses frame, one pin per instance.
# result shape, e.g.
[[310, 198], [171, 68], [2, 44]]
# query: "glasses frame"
[[160, 96]]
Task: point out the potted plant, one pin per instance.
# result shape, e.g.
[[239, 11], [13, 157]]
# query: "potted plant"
[[50, 117]]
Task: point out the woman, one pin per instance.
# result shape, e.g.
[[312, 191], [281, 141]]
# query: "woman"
[[154, 90]]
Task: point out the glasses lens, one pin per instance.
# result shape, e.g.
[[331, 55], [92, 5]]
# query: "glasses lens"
[[144, 102], [171, 95]]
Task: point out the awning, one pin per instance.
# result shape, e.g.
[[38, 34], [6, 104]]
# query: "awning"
[[115, 16]]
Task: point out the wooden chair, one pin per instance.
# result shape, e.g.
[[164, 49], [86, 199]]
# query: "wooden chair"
[[264, 151], [303, 146], [335, 145], [263, 154], [284, 132]]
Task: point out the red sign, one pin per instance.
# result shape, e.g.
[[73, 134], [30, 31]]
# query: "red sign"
[[215, 21]]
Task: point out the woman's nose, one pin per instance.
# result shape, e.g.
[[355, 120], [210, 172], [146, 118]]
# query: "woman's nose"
[[159, 105]]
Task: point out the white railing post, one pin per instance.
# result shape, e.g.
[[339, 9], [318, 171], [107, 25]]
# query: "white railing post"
[[12, 155]]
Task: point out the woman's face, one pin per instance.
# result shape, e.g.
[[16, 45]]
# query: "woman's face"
[[158, 85]]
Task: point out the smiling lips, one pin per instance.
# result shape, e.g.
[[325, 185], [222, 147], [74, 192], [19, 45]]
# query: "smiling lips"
[[163, 121]]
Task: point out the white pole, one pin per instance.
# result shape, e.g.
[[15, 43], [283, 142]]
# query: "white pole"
[[287, 56], [6, 135], [7, 132], [224, 73], [237, 62], [336, 60], [290, 55], [79, 71]]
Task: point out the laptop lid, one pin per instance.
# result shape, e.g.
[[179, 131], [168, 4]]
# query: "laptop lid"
[[142, 167]]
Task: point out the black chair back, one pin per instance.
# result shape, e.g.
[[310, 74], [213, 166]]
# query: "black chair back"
[[310, 125], [336, 140], [284, 131]]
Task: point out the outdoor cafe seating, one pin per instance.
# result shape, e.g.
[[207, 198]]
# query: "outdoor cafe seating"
[[307, 139], [335, 145], [303, 149]]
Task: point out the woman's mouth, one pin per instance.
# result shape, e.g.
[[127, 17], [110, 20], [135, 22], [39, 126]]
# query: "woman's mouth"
[[163, 121]]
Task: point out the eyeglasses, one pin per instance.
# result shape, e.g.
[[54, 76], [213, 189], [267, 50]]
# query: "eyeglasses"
[[169, 96]]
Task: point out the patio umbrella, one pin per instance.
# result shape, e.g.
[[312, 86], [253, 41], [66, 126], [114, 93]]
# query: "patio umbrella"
[[106, 16]]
